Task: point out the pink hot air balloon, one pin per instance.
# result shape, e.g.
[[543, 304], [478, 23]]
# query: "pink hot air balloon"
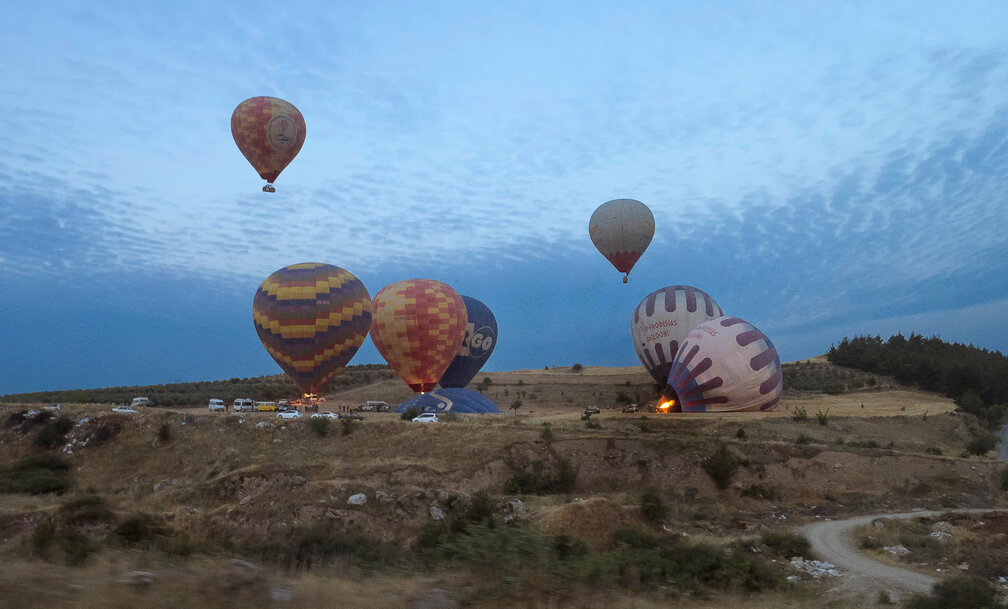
[[724, 365], [663, 319], [622, 229]]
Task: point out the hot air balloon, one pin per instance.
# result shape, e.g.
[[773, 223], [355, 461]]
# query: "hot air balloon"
[[663, 319], [622, 229], [418, 325], [724, 365], [477, 345], [312, 318], [269, 132], [450, 399]]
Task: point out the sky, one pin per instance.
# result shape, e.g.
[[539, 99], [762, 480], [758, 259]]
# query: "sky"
[[822, 169]]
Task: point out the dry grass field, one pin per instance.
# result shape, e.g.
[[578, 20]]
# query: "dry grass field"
[[212, 488]]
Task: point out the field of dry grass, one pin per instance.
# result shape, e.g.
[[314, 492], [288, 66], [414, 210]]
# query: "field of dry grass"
[[242, 486]]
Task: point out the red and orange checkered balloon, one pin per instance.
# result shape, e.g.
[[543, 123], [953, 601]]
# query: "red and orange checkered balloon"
[[417, 325], [270, 133]]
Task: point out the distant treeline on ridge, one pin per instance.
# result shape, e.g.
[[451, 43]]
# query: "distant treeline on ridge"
[[977, 379]]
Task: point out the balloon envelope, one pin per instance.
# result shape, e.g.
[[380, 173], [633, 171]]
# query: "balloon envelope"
[[450, 399], [418, 325], [663, 319], [726, 365], [312, 318], [269, 132], [622, 229], [477, 345]]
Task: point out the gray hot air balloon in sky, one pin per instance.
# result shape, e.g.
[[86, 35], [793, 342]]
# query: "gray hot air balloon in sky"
[[622, 229]]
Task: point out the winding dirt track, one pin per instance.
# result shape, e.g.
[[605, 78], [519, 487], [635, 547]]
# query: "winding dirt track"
[[831, 541]]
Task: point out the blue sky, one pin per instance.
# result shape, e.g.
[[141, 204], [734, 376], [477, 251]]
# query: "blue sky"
[[821, 169]]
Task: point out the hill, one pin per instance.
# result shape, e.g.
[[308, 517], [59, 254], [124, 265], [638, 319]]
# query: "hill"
[[533, 507]]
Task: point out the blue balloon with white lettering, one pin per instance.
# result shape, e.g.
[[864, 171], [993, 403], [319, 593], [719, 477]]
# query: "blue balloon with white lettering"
[[477, 345]]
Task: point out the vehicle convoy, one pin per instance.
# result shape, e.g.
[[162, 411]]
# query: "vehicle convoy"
[[141, 402], [243, 405], [217, 405]]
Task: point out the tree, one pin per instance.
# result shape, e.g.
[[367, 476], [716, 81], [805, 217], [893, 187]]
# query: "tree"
[[515, 405]]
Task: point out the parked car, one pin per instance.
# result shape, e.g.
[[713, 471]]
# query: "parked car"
[[630, 408], [325, 415], [375, 405], [427, 417], [244, 405], [217, 405], [290, 414], [593, 409], [124, 410], [141, 402]]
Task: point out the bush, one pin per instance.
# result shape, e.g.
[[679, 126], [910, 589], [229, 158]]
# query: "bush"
[[822, 417], [53, 433], [86, 509], [740, 434], [348, 425], [961, 592], [320, 426], [36, 475], [652, 506], [164, 433], [981, 444], [803, 439], [546, 433], [538, 480], [411, 413], [576, 368], [140, 529], [799, 414], [785, 545], [721, 466]]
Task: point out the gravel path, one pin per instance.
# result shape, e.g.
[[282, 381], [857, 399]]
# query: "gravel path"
[[831, 541]]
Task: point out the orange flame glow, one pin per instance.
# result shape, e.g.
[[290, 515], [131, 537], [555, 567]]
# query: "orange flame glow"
[[666, 406]]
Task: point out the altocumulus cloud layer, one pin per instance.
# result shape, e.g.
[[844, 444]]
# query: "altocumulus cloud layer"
[[820, 171]]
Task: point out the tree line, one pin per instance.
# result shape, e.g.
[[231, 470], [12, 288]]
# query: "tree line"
[[977, 379]]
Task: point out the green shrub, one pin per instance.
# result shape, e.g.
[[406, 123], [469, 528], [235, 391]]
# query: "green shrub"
[[960, 592], [799, 414], [981, 444], [320, 426], [348, 425], [140, 530], [803, 439], [36, 475], [86, 509], [822, 417], [740, 434], [411, 413], [785, 545], [53, 432], [933, 450], [721, 466], [58, 543], [652, 506], [546, 433]]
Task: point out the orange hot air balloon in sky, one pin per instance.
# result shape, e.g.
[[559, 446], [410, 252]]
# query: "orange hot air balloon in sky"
[[270, 133], [417, 326]]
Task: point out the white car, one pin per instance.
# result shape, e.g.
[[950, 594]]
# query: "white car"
[[289, 414], [217, 405], [325, 415], [427, 417], [124, 410]]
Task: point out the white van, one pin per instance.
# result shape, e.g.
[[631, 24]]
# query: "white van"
[[141, 402], [217, 405], [244, 405]]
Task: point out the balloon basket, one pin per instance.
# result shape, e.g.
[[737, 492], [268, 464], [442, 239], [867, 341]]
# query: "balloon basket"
[[269, 188], [626, 279]]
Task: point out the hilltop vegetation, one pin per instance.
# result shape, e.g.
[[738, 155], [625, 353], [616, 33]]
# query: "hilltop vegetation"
[[977, 379], [190, 394]]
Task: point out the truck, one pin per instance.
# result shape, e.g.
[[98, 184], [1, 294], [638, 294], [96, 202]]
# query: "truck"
[[141, 402], [375, 406]]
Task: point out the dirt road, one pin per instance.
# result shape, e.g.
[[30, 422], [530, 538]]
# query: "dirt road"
[[831, 541]]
